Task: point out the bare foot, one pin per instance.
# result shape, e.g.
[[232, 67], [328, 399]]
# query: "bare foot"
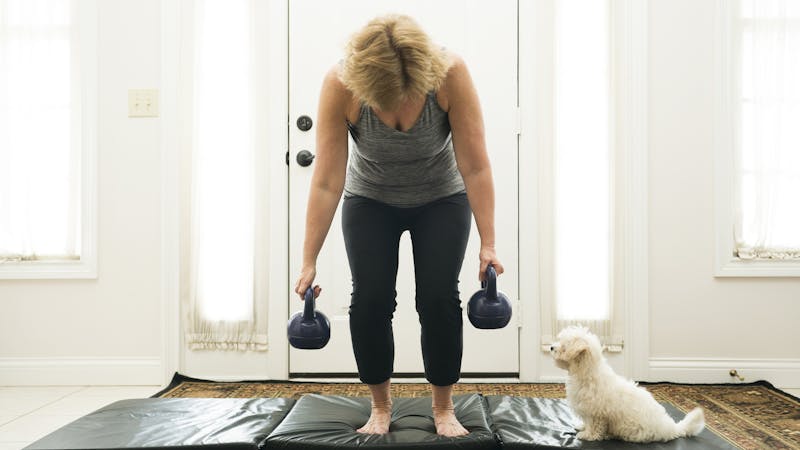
[[447, 424], [379, 420]]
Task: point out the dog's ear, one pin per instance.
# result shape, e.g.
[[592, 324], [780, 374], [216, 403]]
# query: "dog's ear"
[[576, 349]]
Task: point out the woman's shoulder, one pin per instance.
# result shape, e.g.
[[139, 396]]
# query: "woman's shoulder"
[[334, 88], [333, 79], [456, 71]]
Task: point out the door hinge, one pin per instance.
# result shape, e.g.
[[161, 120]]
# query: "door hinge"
[[518, 122], [287, 158]]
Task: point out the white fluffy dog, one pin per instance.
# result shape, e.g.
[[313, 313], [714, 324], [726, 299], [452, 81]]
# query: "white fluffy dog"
[[610, 406]]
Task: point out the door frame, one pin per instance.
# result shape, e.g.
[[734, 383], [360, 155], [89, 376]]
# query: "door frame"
[[529, 294], [531, 358], [280, 281]]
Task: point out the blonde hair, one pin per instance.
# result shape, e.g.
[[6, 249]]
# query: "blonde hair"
[[390, 60]]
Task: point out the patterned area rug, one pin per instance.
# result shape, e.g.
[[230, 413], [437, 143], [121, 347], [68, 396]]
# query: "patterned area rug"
[[750, 416]]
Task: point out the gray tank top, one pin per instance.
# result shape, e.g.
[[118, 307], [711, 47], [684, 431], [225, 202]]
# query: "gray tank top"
[[399, 168]]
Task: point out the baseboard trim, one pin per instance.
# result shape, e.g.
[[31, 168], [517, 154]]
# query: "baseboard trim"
[[782, 373], [80, 371]]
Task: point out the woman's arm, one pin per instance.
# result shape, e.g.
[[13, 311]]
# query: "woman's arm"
[[469, 142], [327, 182]]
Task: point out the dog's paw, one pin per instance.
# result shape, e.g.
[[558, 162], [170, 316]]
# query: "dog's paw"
[[579, 426], [589, 436]]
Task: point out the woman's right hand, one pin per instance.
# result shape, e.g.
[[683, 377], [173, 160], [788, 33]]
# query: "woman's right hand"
[[307, 275]]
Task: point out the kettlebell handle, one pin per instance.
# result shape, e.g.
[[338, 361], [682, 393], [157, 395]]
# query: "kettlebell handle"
[[490, 284], [309, 313]]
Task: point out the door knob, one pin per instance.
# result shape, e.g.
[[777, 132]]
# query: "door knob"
[[305, 158]]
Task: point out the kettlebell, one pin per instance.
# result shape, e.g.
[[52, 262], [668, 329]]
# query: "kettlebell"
[[309, 329], [489, 308]]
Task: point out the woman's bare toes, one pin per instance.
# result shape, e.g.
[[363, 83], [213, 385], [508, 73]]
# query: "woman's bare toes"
[[378, 423], [447, 424]]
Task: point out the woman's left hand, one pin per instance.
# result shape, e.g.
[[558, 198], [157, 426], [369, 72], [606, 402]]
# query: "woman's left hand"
[[488, 256]]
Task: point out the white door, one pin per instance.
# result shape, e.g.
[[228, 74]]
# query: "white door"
[[485, 35]]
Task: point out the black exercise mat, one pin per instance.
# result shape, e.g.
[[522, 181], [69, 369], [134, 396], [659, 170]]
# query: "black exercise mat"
[[318, 421], [523, 423], [161, 423]]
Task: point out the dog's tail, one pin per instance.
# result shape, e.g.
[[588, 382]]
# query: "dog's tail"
[[692, 424]]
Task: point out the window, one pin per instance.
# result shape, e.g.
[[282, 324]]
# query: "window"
[[47, 123], [758, 139], [221, 76], [575, 111], [582, 161]]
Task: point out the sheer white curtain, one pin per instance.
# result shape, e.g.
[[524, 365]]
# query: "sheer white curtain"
[[768, 163], [582, 160], [221, 104], [40, 138]]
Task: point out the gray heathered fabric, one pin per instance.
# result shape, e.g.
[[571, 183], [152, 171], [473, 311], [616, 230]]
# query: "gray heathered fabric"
[[399, 168]]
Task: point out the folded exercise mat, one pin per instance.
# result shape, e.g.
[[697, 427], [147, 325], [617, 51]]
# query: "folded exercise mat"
[[172, 423], [317, 422], [541, 423]]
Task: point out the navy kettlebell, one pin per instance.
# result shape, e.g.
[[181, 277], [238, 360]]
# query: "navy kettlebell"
[[489, 308], [309, 329]]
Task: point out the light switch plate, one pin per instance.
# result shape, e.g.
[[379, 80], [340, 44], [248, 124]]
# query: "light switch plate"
[[143, 103]]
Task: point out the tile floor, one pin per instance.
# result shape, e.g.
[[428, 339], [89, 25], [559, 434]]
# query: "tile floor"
[[28, 413]]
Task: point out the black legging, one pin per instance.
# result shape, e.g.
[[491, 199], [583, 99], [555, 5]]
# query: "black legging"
[[439, 233]]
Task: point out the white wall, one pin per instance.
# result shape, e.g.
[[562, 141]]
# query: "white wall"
[[106, 330], [693, 314], [109, 330]]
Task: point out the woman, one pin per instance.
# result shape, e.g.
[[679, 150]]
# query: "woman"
[[420, 164]]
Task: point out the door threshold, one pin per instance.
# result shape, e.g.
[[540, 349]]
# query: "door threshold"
[[403, 377]]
